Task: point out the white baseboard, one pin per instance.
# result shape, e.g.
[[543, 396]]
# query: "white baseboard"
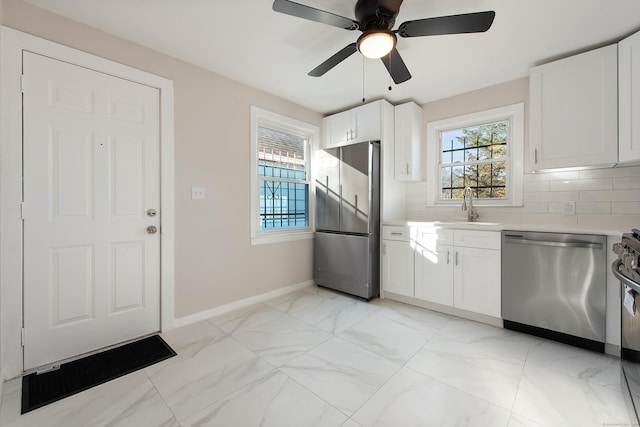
[[216, 311]]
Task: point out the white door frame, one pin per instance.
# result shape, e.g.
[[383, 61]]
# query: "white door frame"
[[12, 43]]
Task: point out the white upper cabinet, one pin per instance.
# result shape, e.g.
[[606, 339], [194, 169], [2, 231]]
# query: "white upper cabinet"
[[359, 124], [629, 99], [574, 111], [408, 142]]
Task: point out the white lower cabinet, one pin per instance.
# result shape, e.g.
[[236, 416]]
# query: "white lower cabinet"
[[476, 281], [397, 261], [434, 274], [460, 269]]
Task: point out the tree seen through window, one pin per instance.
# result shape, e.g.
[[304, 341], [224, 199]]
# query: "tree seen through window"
[[475, 157]]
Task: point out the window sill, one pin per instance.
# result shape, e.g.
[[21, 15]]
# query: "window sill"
[[281, 238]]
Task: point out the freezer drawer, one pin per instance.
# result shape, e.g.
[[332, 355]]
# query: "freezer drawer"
[[346, 263]]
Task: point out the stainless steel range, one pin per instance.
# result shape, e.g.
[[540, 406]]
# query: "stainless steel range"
[[626, 269]]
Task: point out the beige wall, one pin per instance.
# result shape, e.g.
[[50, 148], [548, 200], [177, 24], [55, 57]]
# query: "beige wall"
[[608, 199], [215, 263]]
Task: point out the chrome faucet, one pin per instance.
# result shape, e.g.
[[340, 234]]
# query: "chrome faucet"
[[472, 215]]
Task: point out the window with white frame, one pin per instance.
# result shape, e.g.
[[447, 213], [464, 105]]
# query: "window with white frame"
[[482, 151], [281, 190]]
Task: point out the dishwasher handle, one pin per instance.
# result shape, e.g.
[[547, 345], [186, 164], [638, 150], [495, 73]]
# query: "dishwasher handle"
[[512, 238], [615, 268]]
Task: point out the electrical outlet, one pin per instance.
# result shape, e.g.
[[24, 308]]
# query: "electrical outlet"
[[569, 208], [197, 193]]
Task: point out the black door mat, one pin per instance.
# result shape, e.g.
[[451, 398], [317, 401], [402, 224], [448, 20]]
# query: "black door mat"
[[82, 374]]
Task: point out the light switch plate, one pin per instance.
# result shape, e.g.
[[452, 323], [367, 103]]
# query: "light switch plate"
[[198, 193]]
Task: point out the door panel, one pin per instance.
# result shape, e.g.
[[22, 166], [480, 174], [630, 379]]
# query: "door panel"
[[72, 284], [91, 170], [328, 189], [354, 183], [71, 175]]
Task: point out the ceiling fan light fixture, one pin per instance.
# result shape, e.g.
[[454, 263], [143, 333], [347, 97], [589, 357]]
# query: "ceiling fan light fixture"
[[376, 43]]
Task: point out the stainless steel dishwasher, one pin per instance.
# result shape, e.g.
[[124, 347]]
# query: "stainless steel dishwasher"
[[554, 286]]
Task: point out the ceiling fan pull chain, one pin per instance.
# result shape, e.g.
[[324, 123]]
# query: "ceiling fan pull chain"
[[363, 98]]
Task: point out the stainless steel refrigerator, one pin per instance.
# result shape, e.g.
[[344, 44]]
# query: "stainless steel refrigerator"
[[347, 243]]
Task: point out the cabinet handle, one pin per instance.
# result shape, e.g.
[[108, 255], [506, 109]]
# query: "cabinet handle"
[[395, 233], [457, 255], [448, 257], [347, 135], [407, 168], [535, 156], [353, 134]]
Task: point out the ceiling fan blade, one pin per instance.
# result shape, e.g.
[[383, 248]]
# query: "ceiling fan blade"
[[455, 24], [312, 14], [343, 54], [396, 67]]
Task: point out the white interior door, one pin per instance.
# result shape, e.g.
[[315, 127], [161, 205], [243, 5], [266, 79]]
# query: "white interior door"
[[91, 173]]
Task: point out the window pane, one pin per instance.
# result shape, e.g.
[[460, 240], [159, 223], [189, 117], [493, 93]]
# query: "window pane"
[[458, 156], [471, 154], [283, 205], [484, 149], [281, 154], [446, 177], [446, 142], [447, 157], [499, 173]]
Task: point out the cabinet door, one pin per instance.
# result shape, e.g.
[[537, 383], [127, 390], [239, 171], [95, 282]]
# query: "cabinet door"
[[434, 274], [336, 129], [397, 267], [477, 280], [365, 122], [408, 142], [629, 98], [574, 111]]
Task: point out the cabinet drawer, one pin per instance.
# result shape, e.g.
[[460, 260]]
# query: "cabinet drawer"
[[429, 237], [392, 232], [477, 239]]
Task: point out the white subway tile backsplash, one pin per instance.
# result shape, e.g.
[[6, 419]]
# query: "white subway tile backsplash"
[[627, 183], [527, 208], [616, 222], [593, 207], [581, 184], [625, 208], [610, 196], [550, 196], [532, 186], [551, 219], [552, 176], [605, 198], [556, 208]]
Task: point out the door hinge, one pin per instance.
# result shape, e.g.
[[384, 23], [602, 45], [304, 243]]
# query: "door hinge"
[[22, 337], [22, 83]]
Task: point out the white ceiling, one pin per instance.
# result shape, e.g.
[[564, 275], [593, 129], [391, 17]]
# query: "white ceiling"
[[248, 42]]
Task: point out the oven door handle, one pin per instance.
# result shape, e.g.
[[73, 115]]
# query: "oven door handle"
[[624, 279]]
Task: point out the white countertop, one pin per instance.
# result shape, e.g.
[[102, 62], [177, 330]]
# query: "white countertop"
[[495, 226]]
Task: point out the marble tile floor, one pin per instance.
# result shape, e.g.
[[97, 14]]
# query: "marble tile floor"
[[320, 358]]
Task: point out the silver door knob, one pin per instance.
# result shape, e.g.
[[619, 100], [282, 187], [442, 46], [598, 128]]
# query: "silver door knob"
[[152, 229], [151, 212]]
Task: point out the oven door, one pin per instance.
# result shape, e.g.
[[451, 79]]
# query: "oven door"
[[630, 342]]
